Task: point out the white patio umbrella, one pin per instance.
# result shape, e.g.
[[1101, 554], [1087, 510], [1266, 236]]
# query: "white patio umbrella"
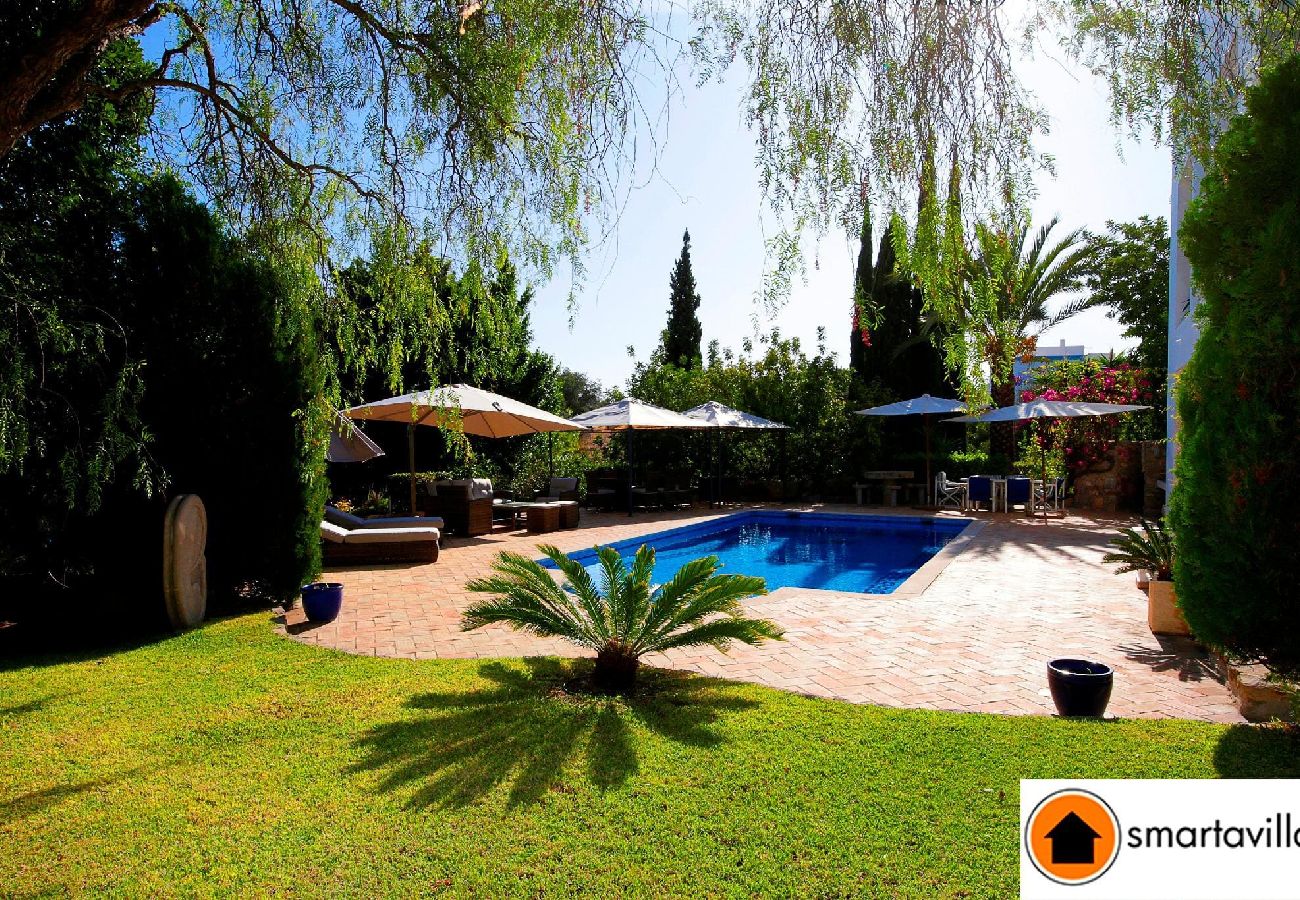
[[460, 406], [1050, 409], [721, 416], [348, 443], [631, 415], [924, 406]]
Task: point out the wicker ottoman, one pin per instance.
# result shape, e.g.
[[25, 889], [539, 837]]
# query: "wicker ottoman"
[[568, 513], [543, 517]]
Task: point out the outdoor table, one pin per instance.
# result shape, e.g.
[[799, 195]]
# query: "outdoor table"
[[515, 509], [889, 489], [999, 484]]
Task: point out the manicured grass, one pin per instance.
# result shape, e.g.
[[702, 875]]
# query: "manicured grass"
[[231, 760]]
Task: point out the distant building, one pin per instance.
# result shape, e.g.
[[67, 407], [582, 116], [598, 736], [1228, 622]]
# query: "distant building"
[[1023, 370]]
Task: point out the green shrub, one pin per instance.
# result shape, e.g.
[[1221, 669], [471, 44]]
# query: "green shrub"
[[233, 390], [621, 614], [70, 382], [1235, 509], [147, 355]]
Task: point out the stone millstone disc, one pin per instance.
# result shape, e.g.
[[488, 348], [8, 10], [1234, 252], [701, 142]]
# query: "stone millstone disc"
[[185, 568]]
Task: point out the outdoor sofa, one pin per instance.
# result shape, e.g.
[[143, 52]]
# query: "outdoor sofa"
[[465, 505]]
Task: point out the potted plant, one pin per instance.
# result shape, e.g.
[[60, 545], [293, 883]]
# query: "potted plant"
[[1152, 549], [1080, 687], [322, 600]]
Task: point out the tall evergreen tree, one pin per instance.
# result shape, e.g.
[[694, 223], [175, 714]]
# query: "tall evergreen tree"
[[892, 342], [682, 337], [863, 290]]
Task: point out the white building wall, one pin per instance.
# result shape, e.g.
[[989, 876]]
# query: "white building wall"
[[1182, 301], [1231, 54]]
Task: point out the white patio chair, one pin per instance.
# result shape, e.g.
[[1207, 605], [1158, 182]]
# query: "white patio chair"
[[949, 494], [1049, 495]]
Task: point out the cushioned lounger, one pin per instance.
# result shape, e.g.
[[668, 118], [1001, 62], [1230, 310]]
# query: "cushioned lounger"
[[349, 522], [367, 545]]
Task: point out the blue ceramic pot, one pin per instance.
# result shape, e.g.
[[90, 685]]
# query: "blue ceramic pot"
[[322, 601]]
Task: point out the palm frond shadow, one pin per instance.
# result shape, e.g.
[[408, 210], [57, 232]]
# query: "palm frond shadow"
[[34, 802], [1181, 655], [529, 732]]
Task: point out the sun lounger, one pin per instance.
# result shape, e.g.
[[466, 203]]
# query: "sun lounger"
[[349, 522], [373, 545]]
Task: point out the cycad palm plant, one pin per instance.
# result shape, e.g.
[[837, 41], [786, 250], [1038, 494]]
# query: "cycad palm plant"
[[1151, 549], [621, 618]]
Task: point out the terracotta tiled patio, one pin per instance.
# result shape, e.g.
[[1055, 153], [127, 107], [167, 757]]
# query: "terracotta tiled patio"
[[976, 639]]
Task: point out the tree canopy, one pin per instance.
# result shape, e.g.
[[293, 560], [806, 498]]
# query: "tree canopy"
[[490, 122], [513, 121], [1130, 278]]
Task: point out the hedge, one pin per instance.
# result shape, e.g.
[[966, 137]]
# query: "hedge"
[[1235, 509]]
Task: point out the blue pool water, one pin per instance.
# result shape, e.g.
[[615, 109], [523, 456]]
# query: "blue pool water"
[[858, 554]]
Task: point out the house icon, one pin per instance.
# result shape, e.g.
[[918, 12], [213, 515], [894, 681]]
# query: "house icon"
[[1073, 841]]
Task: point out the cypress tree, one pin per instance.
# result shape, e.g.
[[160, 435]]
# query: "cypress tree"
[[682, 337], [863, 288], [900, 355]]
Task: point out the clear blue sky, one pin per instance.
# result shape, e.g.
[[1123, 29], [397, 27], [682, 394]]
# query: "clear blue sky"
[[707, 182]]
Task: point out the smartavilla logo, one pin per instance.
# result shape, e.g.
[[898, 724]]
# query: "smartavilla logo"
[[1072, 836]]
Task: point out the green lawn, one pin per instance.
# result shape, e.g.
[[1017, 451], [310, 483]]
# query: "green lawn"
[[230, 760]]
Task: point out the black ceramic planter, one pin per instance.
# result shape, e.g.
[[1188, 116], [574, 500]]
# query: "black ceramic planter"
[[1080, 687]]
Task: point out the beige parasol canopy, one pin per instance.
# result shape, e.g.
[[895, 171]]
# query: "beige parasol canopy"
[[477, 411], [460, 406]]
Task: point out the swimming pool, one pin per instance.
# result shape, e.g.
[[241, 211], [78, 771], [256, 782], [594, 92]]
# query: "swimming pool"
[[858, 554]]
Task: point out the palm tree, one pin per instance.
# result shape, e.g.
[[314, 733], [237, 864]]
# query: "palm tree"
[[1004, 304], [623, 618]]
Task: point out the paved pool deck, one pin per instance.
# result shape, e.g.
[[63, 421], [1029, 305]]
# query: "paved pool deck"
[[970, 633]]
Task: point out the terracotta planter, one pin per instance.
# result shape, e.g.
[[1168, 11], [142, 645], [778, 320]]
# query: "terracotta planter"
[[1163, 614]]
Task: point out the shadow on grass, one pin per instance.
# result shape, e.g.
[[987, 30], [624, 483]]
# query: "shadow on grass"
[[529, 728], [31, 706], [1258, 751], [33, 802]]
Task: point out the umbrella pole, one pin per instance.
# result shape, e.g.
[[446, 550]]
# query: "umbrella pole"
[[929, 484], [1042, 451], [713, 469], [550, 453], [410, 455], [785, 467], [631, 470]]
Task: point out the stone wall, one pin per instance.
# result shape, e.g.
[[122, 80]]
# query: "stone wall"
[[1114, 484], [1153, 472]]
